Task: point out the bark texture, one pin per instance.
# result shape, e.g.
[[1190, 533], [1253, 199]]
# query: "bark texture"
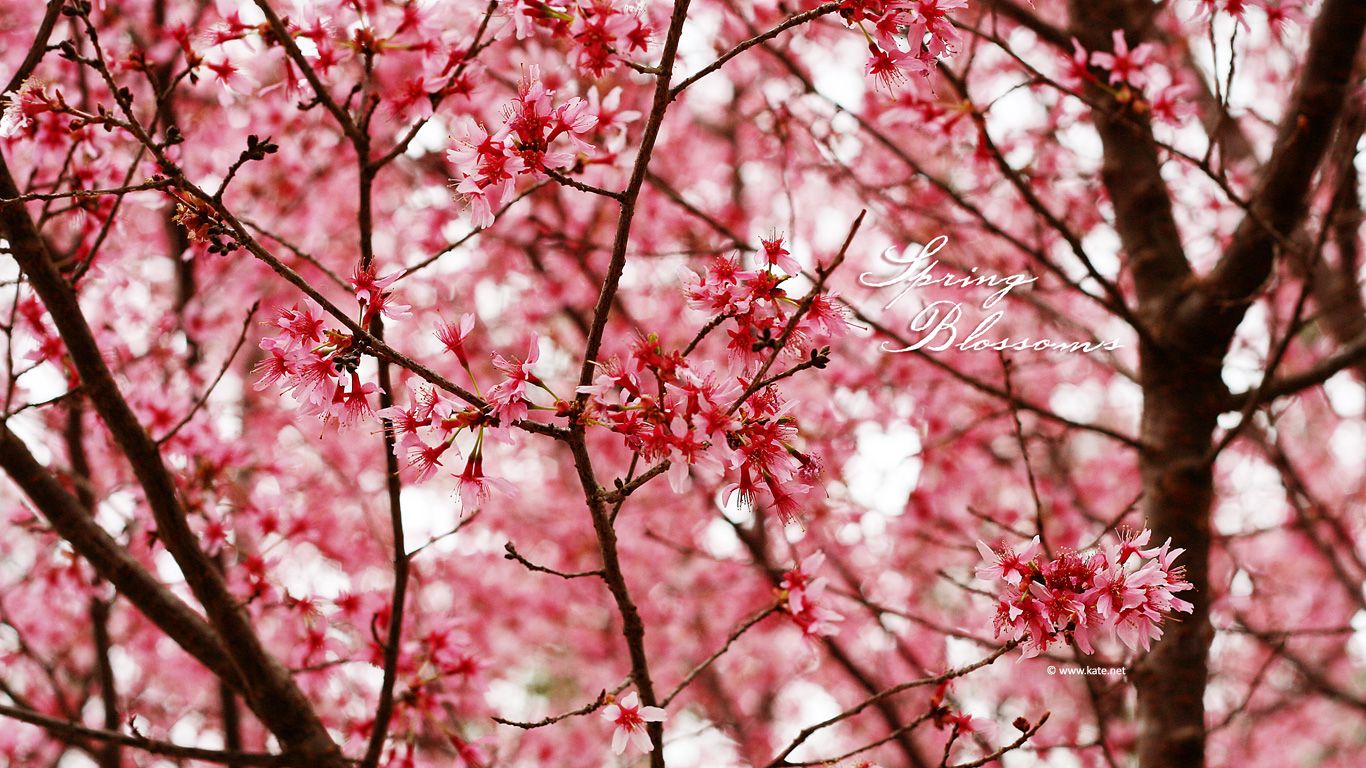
[[1189, 323]]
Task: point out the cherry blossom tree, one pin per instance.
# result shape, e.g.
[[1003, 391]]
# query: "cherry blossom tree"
[[689, 383]]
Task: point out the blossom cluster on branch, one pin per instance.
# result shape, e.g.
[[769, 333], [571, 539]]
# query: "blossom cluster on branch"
[[1121, 590]]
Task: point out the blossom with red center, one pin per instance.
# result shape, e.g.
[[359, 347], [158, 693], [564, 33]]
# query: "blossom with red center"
[[486, 166], [1171, 105], [426, 458], [228, 66], [371, 293], [475, 486], [778, 256], [452, 337], [803, 592], [509, 396], [1077, 67], [535, 124], [1005, 563], [888, 68], [410, 99], [930, 22], [1280, 17], [630, 719], [351, 404], [596, 31]]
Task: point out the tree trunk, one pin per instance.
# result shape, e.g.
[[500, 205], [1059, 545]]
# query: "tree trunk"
[[1181, 401]]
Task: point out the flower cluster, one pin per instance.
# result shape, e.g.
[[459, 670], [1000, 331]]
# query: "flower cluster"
[[373, 296], [318, 366], [630, 719], [801, 591], [488, 164], [1280, 14], [21, 106], [905, 37], [426, 429], [757, 306], [665, 407], [1122, 590], [601, 32], [1134, 76]]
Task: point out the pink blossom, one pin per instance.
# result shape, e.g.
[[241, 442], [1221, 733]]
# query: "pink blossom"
[[630, 719], [1124, 65], [21, 106]]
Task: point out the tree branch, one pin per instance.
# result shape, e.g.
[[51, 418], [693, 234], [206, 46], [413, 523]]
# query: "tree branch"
[[1280, 200]]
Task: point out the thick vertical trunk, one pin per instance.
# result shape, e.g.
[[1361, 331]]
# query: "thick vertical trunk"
[[1188, 324], [1181, 401]]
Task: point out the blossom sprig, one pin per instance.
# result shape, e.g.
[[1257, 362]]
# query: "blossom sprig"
[[758, 308], [317, 365], [600, 33], [629, 719], [488, 164], [906, 38], [1134, 76], [1122, 590], [425, 430], [22, 106], [373, 294], [724, 421], [666, 407]]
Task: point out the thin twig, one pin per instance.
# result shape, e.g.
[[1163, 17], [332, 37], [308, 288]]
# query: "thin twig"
[[227, 362]]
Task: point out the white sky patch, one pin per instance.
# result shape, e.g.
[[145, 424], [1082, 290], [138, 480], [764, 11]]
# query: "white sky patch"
[[720, 540], [427, 511], [1102, 246], [431, 137], [306, 572], [810, 703], [1349, 441], [959, 652], [1253, 498], [248, 12], [844, 79], [1346, 395], [1079, 402], [1244, 364], [693, 742], [884, 469], [1356, 645]]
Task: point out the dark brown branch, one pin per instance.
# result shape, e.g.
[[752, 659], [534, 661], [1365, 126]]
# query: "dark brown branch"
[[793, 21], [266, 683], [1281, 200], [69, 519], [37, 50], [282, 36], [67, 730], [632, 628], [513, 554]]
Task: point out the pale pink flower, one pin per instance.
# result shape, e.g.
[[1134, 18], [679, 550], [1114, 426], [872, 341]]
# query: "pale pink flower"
[[21, 107], [630, 719], [1005, 563], [1124, 65]]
